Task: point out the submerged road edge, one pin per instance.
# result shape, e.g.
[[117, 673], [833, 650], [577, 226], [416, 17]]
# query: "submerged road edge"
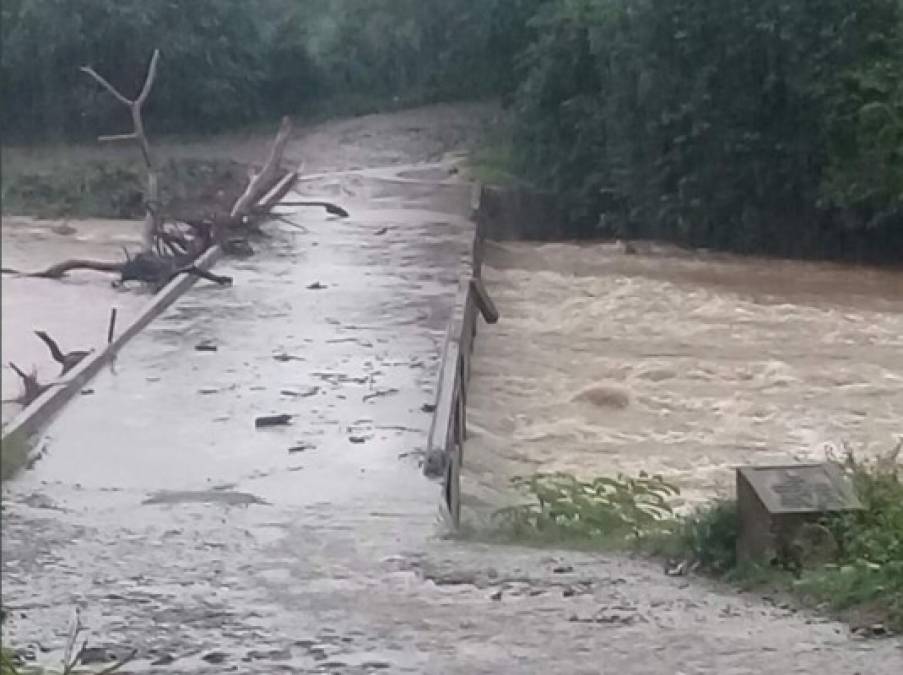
[[14, 444]]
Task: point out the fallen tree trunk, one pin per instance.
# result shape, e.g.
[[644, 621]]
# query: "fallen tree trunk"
[[149, 268], [172, 250], [59, 270]]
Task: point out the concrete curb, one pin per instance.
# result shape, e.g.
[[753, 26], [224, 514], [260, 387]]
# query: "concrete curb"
[[29, 421]]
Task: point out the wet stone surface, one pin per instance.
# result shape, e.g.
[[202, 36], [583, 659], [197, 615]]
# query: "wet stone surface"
[[185, 533]]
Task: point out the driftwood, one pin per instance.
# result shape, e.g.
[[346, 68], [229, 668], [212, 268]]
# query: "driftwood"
[[272, 421], [147, 267], [262, 181], [68, 360], [169, 249], [159, 270], [59, 270], [332, 209], [33, 388], [152, 198]]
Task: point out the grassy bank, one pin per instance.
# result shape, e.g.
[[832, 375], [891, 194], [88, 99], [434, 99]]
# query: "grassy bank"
[[74, 182], [854, 572]]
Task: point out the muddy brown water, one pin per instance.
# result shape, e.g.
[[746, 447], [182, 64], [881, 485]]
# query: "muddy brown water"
[[75, 310], [681, 364], [209, 546]]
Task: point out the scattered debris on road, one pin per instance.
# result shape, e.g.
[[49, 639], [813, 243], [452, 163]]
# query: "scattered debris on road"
[[272, 421]]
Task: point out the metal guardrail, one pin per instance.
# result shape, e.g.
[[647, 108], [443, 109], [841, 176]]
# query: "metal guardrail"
[[448, 430]]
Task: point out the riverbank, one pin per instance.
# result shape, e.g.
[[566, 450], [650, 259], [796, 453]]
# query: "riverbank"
[[687, 364]]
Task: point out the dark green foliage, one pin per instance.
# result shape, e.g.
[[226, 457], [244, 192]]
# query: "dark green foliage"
[[213, 61], [228, 62], [772, 126], [874, 534], [434, 48]]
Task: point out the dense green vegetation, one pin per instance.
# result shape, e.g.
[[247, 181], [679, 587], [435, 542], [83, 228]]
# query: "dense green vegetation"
[[230, 62], [771, 127], [774, 126]]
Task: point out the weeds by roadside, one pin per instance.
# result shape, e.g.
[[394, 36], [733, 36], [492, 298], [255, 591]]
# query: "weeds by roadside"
[[115, 189], [75, 655], [492, 161], [863, 584], [603, 508]]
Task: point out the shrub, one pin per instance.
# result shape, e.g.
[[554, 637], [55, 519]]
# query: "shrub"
[[601, 508]]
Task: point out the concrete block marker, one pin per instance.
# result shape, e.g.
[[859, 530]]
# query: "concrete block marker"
[[777, 505], [15, 445]]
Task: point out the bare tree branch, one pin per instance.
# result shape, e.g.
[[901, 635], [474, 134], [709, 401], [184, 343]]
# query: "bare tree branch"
[[149, 79], [106, 85], [259, 181], [59, 270], [151, 219], [117, 137]]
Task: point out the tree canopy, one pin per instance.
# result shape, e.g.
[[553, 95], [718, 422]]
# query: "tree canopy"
[[773, 126]]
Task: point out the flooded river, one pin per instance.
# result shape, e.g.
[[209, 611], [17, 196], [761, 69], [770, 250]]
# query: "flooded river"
[[75, 310], [685, 365]]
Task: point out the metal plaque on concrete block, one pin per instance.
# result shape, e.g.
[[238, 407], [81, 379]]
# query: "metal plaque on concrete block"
[[801, 488]]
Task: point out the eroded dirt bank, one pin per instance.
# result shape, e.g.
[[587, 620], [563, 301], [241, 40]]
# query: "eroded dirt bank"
[[213, 547]]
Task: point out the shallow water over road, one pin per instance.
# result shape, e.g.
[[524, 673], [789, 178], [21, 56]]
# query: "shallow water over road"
[[679, 364], [75, 310]]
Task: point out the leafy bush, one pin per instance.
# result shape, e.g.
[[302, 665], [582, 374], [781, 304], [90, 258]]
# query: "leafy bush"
[[873, 535], [869, 569], [709, 536], [602, 508]]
